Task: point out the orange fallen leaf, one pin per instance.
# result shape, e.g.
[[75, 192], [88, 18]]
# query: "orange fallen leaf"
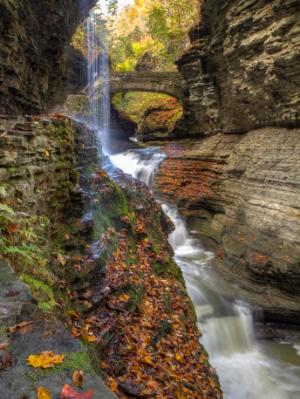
[[4, 345], [73, 315], [178, 357], [69, 393], [148, 360], [91, 338], [23, 327], [43, 393], [12, 228], [45, 360], [77, 378]]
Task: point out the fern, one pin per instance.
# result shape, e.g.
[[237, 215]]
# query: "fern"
[[6, 209]]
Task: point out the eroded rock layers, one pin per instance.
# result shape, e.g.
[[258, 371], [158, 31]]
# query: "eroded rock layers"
[[34, 35], [243, 68], [244, 191], [241, 178]]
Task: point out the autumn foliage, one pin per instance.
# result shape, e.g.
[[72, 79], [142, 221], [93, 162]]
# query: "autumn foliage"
[[138, 315]]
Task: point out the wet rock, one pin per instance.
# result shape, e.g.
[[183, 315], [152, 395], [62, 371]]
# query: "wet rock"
[[241, 193]]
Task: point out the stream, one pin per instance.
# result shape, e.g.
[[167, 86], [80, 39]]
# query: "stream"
[[248, 369]]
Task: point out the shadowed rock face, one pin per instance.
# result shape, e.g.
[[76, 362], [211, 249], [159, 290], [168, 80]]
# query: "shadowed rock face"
[[243, 68], [34, 36]]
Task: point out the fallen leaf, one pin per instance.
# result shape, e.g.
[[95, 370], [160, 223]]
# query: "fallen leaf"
[[22, 328], [91, 338], [11, 294], [178, 357], [76, 332], [148, 360], [45, 360], [12, 228], [180, 395], [77, 378], [43, 393], [87, 335], [73, 315], [46, 153], [69, 393], [61, 259], [4, 345], [6, 361]]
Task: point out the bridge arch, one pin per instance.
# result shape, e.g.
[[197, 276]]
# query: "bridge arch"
[[170, 83]]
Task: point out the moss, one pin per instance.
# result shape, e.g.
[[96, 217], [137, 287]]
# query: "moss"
[[12, 170], [61, 130], [168, 268], [76, 361], [5, 185], [41, 292]]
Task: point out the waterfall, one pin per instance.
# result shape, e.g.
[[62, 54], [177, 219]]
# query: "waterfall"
[[247, 369], [98, 77]]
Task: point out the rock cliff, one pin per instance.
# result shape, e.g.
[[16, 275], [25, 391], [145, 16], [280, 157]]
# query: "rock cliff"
[[244, 192], [239, 176], [37, 166], [34, 37], [97, 258], [243, 67]]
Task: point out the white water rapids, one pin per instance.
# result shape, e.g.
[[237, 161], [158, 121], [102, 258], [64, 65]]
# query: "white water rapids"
[[247, 369]]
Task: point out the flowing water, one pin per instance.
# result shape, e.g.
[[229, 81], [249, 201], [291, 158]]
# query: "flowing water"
[[247, 369], [98, 78]]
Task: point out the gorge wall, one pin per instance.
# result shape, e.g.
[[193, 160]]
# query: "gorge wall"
[[243, 67], [34, 38], [239, 176]]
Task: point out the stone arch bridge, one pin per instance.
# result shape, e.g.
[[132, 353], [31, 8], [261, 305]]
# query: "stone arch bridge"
[[170, 83]]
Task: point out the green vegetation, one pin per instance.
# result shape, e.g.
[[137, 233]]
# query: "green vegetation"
[[41, 291], [22, 239], [135, 104], [156, 26], [166, 110]]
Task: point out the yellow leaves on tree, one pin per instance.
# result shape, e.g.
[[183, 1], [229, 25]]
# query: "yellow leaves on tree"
[[43, 393], [45, 360]]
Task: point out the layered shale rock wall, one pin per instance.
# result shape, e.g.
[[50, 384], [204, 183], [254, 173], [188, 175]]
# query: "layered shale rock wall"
[[242, 193], [240, 175], [243, 67], [38, 167], [34, 39]]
